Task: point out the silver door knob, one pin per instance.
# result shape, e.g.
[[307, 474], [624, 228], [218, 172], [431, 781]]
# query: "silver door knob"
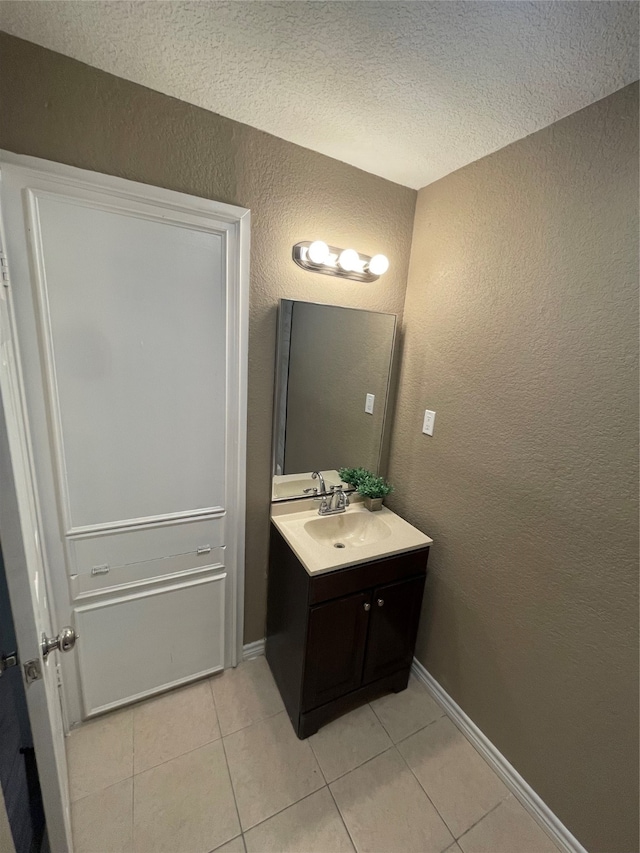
[[380, 602], [367, 606], [64, 642]]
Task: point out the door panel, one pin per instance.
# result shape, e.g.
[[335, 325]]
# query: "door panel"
[[131, 306], [159, 643], [144, 553], [395, 613], [121, 548], [133, 321], [335, 649]]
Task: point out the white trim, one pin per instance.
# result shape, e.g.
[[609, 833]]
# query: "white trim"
[[238, 362], [151, 521], [123, 187], [151, 583], [538, 809], [253, 650]]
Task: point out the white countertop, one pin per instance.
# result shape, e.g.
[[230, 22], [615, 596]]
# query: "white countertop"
[[362, 535]]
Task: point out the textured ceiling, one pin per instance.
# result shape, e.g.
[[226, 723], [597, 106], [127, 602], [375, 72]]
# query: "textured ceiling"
[[410, 91]]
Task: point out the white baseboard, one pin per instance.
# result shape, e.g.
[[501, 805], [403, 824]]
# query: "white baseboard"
[[538, 810], [253, 650]]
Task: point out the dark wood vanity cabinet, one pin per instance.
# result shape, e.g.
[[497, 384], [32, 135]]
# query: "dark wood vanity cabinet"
[[340, 638]]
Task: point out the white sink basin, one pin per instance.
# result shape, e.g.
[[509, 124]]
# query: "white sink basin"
[[350, 530], [326, 543]]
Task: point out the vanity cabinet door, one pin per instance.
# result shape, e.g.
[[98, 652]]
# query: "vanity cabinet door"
[[395, 612], [335, 648]]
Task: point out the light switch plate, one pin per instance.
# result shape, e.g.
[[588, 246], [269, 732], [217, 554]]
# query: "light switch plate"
[[429, 420], [368, 406]]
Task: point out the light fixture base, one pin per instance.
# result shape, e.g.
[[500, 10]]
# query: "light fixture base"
[[330, 266]]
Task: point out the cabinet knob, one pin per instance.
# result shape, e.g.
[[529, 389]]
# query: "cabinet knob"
[[367, 606], [380, 602]]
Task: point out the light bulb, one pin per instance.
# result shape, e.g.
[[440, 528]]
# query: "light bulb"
[[349, 260], [318, 252], [378, 264]]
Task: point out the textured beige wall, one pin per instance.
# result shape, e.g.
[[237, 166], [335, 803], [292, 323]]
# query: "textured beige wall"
[[521, 332], [60, 109]]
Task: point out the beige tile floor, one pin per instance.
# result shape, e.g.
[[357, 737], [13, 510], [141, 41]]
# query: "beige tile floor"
[[217, 766]]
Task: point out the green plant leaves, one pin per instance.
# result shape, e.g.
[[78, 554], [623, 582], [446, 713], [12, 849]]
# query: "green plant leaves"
[[366, 483]]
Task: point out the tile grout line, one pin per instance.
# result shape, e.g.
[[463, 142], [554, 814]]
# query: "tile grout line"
[[133, 778], [326, 781], [100, 790], [444, 714], [173, 758], [380, 721], [218, 676], [422, 788], [291, 805], [344, 823], [492, 809], [224, 843], [243, 728], [368, 761], [508, 794], [441, 816], [226, 761], [253, 722], [421, 729]]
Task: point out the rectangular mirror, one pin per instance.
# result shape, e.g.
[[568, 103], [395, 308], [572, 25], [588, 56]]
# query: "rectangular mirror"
[[330, 362]]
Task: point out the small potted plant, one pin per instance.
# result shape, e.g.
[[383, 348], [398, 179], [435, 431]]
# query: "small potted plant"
[[374, 490], [353, 476]]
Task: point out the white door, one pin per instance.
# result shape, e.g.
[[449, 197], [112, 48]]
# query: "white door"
[[26, 580], [131, 312]]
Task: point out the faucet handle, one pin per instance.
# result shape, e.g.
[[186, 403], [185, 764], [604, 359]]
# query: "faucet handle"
[[342, 497], [312, 491]]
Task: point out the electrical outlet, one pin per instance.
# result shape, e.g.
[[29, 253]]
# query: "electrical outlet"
[[429, 420], [368, 406]]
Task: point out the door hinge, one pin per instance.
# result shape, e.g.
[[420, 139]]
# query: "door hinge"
[[7, 661], [32, 670], [4, 269]]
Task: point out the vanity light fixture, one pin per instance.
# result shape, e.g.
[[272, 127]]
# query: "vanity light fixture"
[[318, 256]]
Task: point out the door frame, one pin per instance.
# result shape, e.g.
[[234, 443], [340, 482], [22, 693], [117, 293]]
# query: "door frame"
[[237, 359]]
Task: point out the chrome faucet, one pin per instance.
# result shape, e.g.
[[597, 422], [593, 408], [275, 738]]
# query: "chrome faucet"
[[331, 502], [339, 500], [315, 492], [317, 475]]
